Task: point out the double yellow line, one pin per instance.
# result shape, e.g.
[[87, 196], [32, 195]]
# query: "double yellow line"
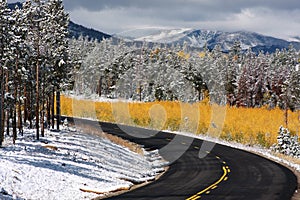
[[224, 177]]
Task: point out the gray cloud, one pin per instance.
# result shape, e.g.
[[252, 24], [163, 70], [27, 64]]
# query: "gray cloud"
[[218, 5], [273, 17]]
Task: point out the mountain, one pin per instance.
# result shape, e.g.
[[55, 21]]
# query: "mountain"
[[156, 35], [12, 6], [76, 30], [200, 38]]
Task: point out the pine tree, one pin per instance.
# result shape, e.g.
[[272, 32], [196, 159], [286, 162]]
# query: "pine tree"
[[286, 143], [4, 59], [19, 52], [56, 34]]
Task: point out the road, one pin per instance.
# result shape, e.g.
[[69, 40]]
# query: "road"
[[225, 173]]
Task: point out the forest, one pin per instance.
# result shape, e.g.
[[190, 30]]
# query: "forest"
[[34, 64], [166, 73], [38, 62]]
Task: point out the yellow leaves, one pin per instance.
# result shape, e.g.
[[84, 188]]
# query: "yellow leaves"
[[202, 54], [235, 58], [244, 125], [182, 54], [225, 56], [155, 52]]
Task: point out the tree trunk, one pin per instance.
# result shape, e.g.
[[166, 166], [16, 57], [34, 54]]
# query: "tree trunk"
[[52, 109], [7, 112], [25, 117], [1, 108], [100, 87], [48, 110], [14, 124], [8, 115], [43, 107], [57, 108], [15, 101], [30, 109], [37, 110], [14, 110], [20, 124]]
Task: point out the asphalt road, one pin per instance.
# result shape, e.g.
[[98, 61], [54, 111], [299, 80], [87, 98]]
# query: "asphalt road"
[[225, 173]]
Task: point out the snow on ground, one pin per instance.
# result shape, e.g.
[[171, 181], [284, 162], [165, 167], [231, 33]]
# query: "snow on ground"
[[62, 164], [96, 98]]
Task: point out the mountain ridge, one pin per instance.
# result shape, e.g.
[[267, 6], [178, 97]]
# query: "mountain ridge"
[[198, 38], [76, 30]]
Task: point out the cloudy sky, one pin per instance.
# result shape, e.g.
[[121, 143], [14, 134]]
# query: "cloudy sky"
[[279, 18]]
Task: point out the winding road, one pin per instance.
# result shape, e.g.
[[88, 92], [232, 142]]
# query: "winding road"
[[225, 173]]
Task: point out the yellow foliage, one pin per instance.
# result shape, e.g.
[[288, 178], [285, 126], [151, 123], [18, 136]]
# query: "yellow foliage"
[[202, 54], [154, 52], [235, 58], [183, 55], [245, 125]]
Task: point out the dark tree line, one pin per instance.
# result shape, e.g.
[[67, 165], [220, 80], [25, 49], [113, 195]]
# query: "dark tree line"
[[33, 64]]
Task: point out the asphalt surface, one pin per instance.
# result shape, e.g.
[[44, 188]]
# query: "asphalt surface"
[[224, 173]]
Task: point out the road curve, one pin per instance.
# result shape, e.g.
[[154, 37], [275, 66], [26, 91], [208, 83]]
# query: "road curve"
[[225, 173]]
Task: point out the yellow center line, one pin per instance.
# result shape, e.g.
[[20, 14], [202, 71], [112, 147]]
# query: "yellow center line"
[[192, 197], [213, 186]]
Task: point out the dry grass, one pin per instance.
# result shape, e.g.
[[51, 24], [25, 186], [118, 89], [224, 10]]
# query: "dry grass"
[[98, 192], [54, 148], [244, 125]]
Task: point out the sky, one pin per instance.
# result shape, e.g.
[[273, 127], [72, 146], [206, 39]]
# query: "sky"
[[278, 18]]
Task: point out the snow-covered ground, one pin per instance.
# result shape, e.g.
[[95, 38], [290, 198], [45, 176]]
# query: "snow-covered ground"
[[62, 164]]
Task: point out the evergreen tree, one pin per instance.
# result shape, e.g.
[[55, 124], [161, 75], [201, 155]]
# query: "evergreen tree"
[[4, 59]]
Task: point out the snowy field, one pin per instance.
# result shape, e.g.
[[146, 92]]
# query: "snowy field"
[[63, 164]]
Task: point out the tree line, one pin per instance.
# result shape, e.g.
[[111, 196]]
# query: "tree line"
[[34, 64], [160, 72]]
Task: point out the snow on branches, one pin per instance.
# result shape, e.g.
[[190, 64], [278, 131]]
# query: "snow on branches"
[[286, 143]]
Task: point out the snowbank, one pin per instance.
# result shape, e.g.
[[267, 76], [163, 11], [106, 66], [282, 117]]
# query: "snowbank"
[[71, 165]]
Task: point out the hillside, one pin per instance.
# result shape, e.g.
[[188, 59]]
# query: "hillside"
[[200, 38], [76, 30]]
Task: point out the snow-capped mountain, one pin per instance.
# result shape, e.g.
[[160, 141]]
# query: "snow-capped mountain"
[[198, 38], [157, 35]]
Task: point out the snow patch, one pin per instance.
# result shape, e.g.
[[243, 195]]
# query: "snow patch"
[[65, 164]]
